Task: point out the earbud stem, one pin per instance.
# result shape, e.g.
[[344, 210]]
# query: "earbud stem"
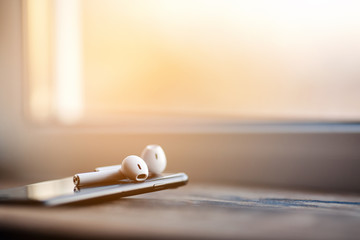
[[89, 178], [108, 168]]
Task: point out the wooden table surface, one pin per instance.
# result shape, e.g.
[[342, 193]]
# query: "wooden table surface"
[[194, 211]]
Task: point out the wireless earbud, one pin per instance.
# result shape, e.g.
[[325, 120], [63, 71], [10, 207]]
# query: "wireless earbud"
[[135, 168], [154, 157], [132, 167], [152, 160]]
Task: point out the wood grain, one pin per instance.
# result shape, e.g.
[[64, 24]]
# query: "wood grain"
[[195, 211]]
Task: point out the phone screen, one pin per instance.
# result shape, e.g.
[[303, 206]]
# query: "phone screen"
[[63, 191]]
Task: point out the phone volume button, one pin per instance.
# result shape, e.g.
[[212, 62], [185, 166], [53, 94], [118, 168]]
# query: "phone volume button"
[[158, 186]]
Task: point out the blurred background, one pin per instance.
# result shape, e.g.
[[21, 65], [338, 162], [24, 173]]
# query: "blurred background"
[[237, 92]]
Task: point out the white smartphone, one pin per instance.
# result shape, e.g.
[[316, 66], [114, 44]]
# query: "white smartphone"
[[63, 191]]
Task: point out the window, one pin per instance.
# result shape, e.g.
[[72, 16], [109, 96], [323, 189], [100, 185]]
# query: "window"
[[124, 62]]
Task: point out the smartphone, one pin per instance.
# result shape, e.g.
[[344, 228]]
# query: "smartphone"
[[63, 191]]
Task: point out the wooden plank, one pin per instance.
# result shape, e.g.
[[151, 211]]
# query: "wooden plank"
[[197, 211]]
